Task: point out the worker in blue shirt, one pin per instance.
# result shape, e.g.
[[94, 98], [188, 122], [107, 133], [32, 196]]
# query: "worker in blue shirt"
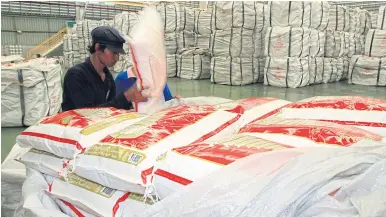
[[123, 82]]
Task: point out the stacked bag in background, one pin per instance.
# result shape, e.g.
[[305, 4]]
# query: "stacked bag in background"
[[237, 42], [370, 68], [30, 90]]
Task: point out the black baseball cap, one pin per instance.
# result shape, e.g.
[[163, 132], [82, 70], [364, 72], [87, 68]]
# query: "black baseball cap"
[[110, 37]]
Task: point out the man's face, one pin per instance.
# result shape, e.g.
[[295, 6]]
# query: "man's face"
[[108, 57]]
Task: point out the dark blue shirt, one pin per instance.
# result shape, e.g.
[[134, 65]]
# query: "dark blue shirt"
[[123, 82]]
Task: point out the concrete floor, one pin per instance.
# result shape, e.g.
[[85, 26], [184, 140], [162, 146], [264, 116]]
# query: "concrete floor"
[[188, 88]]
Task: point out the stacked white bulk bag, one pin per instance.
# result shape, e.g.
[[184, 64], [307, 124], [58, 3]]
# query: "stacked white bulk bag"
[[30, 91], [375, 43], [203, 22], [124, 21], [170, 13], [381, 22], [194, 64], [237, 42], [361, 21], [367, 71], [290, 13], [286, 72], [319, 15], [171, 61], [287, 41], [316, 67], [236, 70], [335, 69], [339, 18], [335, 44]]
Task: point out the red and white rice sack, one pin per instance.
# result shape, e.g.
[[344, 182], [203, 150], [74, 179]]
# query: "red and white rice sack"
[[186, 164], [307, 133], [71, 210], [69, 133], [94, 198], [43, 162], [362, 112], [124, 160]]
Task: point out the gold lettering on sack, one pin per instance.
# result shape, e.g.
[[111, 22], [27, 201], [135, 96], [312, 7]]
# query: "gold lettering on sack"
[[250, 142], [96, 188], [108, 122], [94, 113], [116, 152], [139, 197]]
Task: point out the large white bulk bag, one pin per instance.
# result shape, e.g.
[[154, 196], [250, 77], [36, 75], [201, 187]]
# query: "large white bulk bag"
[[361, 21], [335, 44], [94, 198], [362, 112], [171, 65], [381, 22], [30, 91], [149, 59], [67, 43], [299, 132], [335, 69], [171, 44], [375, 45], [286, 72], [289, 13], [121, 22], [71, 132], [203, 22], [236, 42], [287, 42], [194, 64], [170, 14], [193, 40], [74, 42], [236, 14], [316, 67], [142, 144], [319, 14], [187, 19], [355, 45], [339, 18], [236, 71], [184, 165], [367, 71], [317, 43]]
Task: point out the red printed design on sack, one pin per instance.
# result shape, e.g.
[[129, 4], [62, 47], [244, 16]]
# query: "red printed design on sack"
[[317, 131]]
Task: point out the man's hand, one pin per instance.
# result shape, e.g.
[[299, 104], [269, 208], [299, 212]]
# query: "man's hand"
[[134, 95]]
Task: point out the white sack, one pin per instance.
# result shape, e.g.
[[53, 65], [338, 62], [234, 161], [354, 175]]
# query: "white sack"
[[375, 45], [381, 22], [194, 64], [170, 14], [30, 91], [171, 43], [124, 21], [286, 72], [305, 178], [289, 13], [316, 67], [71, 210], [11, 58], [192, 40], [319, 14], [74, 42], [335, 69], [71, 132], [367, 71], [203, 22], [236, 42], [362, 112], [361, 21], [236, 71], [317, 43], [171, 60], [335, 44], [149, 59], [187, 19], [339, 18], [356, 44], [287, 42], [35, 202]]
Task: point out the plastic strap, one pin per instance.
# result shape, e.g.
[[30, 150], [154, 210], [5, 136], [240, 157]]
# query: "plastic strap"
[[321, 16], [262, 28], [194, 66], [270, 14], [214, 40], [233, 4], [269, 40], [323, 70], [319, 48], [332, 72], [180, 68], [371, 43], [214, 70], [336, 18], [383, 20], [201, 69], [379, 70], [197, 22], [286, 74], [316, 70], [230, 43], [230, 71], [344, 19], [211, 20], [302, 14], [175, 17], [289, 42], [241, 71], [22, 99], [289, 12], [254, 8], [215, 15], [268, 67], [184, 19], [48, 93], [241, 41], [165, 21], [301, 65], [301, 51], [253, 69]]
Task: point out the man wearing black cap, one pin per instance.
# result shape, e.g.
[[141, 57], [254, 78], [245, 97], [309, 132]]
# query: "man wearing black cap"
[[90, 84]]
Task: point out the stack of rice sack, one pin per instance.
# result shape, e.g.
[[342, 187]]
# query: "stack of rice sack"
[[370, 68], [237, 42], [295, 43], [344, 39], [170, 13], [294, 126], [30, 90], [193, 59]]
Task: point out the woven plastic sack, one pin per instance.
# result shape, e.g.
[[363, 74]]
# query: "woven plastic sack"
[[289, 13], [171, 44], [203, 22], [140, 145], [362, 112], [339, 18], [381, 22], [367, 71], [194, 64], [317, 43], [375, 45], [69, 133], [172, 65], [170, 15], [316, 67], [335, 44], [149, 59], [335, 69], [319, 15], [71, 210]]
